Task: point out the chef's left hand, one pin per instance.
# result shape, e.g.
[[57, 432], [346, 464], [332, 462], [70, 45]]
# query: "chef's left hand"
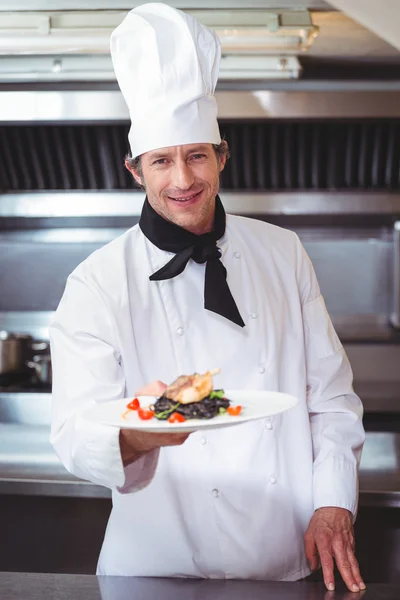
[[329, 537]]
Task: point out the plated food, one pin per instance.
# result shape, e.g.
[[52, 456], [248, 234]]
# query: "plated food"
[[245, 405], [188, 397]]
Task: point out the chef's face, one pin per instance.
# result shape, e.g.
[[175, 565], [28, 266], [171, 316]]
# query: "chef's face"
[[181, 183]]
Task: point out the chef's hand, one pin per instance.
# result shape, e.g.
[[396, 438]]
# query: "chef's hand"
[[134, 443], [329, 537]]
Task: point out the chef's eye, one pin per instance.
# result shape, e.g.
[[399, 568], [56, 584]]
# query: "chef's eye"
[[160, 161], [198, 156]]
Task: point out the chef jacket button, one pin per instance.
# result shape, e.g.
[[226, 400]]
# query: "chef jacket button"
[[179, 331], [215, 493], [261, 370], [236, 254], [268, 425], [203, 441], [254, 315], [272, 479]]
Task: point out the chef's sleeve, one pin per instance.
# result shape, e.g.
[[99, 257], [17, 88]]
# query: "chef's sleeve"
[[87, 370], [335, 410]]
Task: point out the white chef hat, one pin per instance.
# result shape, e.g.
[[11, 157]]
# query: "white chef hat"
[[167, 66]]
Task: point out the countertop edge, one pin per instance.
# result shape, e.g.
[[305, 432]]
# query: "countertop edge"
[[57, 489], [85, 489]]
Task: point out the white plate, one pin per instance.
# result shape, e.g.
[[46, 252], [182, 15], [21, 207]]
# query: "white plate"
[[255, 405]]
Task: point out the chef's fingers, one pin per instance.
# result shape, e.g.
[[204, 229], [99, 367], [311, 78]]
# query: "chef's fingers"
[[340, 550], [325, 553], [355, 568], [311, 551], [156, 388], [352, 541]]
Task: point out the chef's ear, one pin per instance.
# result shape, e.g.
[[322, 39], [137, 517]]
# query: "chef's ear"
[[134, 166], [223, 154], [222, 163]]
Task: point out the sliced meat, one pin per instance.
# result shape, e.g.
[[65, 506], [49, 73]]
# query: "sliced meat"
[[191, 388]]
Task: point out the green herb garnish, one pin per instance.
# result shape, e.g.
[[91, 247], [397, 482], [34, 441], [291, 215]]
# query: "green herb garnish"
[[217, 394], [165, 413], [222, 410]]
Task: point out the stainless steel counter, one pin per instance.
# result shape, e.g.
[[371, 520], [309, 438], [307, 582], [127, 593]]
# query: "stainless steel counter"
[[18, 586], [29, 465]]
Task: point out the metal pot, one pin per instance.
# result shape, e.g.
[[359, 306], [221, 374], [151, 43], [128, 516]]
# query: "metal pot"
[[14, 351], [41, 363]]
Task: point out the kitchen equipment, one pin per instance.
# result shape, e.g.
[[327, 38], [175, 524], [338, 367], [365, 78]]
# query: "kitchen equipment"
[[41, 364], [14, 352]]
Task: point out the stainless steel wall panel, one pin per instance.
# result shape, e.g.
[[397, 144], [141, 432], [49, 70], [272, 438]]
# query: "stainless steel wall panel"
[[395, 305], [355, 276], [33, 275], [323, 100], [129, 204]]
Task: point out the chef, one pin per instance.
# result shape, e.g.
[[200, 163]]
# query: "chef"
[[186, 290]]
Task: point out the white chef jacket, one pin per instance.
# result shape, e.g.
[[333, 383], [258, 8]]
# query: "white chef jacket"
[[229, 503]]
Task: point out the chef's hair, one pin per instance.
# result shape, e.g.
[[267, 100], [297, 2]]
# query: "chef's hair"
[[135, 163]]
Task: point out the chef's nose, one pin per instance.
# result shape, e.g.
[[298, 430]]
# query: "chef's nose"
[[183, 177]]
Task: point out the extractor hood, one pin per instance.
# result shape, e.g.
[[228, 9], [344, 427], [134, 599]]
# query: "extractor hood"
[[24, 5], [96, 67], [76, 32], [256, 44]]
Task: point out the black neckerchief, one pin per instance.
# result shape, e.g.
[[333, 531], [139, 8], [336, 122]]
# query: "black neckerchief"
[[200, 248]]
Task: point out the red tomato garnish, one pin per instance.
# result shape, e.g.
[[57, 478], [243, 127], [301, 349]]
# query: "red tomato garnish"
[[176, 418], [134, 405], [234, 411], [145, 415]]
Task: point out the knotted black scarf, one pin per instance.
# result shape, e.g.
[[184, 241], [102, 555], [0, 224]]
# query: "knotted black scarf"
[[201, 248]]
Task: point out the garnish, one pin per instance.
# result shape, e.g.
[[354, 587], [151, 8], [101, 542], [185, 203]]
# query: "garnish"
[[145, 415], [134, 404], [164, 414], [176, 418], [216, 394], [234, 411]]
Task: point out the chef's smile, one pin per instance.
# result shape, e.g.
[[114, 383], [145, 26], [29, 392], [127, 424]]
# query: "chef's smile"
[[186, 200]]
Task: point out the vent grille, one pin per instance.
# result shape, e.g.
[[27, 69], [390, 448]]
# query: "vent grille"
[[313, 155], [267, 155], [63, 157]]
